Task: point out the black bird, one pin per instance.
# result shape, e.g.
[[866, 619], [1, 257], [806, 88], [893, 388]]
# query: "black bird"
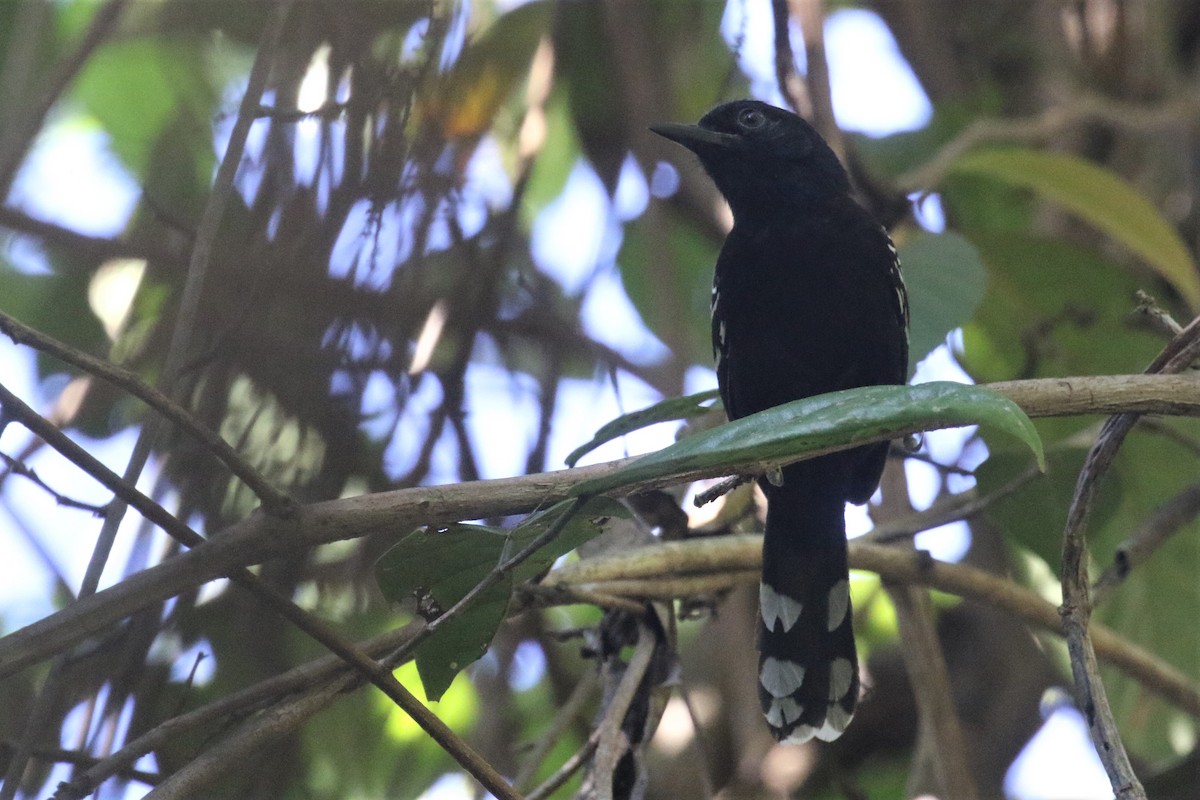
[[807, 298]]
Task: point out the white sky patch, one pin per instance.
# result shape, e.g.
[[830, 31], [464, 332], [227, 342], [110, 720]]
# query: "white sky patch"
[[501, 417], [610, 318], [450, 786], [569, 236], [71, 178], [528, 666], [874, 89], [699, 379], [927, 208], [633, 193], [1059, 763], [752, 22], [583, 406], [486, 188]]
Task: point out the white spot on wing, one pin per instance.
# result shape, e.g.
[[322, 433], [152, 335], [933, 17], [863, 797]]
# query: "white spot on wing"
[[775, 606], [839, 603], [779, 677]]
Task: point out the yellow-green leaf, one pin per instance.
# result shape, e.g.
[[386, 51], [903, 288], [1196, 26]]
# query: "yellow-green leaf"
[[1099, 197]]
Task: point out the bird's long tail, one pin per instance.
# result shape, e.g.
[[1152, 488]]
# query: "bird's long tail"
[[808, 665]]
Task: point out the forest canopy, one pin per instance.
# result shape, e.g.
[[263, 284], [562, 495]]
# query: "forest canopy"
[[307, 302]]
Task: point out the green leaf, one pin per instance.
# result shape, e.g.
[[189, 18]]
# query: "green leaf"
[[1052, 308], [692, 405], [440, 566], [668, 250], [856, 416], [139, 89], [946, 280], [1101, 198]]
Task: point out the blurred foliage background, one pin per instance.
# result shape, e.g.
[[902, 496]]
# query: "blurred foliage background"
[[386, 308]]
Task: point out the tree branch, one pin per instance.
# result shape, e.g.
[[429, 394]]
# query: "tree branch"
[[259, 538], [641, 574], [1077, 605], [1051, 123], [1167, 520], [274, 502]]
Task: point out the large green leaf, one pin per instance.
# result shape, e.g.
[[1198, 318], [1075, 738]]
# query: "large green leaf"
[[141, 88], [692, 405], [666, 264], [856, 416], [946, 280], [439, 566], [1101, 198], [1052, 308]]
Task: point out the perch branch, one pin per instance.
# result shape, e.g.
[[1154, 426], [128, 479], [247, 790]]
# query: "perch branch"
[[259, 537]]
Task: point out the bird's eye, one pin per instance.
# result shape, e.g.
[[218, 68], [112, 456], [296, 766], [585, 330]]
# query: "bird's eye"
[[751, 118]]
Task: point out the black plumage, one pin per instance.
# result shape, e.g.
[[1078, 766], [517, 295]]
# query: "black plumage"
[[807, 299]]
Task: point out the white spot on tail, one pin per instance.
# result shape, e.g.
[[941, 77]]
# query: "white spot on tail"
[[836, 720], [835, 724], [841, 674], [775, 606], [780, 678], [839, 603], [783, 712]]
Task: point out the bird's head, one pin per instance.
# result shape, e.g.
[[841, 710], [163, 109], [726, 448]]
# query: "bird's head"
[[759, 154]]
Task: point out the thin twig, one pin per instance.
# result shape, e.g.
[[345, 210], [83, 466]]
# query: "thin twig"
[[1077, 605], [811, 16], [610, 745], [274, 502], [273, 599], [787, 77], [719, 490], [954, 508], [16, 467], [566, 716], [564, 772], [96, 247], [941, 746], [1167, 520], [1149, 308], [568, 595], [320, 672], [1052, 122]]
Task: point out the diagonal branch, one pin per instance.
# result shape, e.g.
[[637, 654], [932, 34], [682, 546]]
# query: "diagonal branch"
[[1077, 604], [274, 502]]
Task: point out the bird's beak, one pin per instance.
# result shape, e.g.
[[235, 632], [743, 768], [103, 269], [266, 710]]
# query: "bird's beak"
[[693, 137]]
